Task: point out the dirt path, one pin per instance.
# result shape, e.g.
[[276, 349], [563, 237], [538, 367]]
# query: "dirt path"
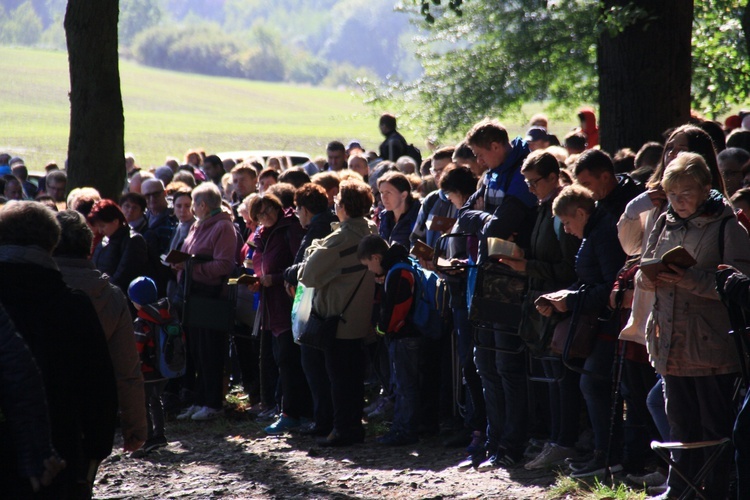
[[232, 458]]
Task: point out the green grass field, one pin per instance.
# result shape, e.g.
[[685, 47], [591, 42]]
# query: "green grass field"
[[167, 113]]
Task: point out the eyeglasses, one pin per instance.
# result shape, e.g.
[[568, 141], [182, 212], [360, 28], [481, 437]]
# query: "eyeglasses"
[[155, 193], [532, 184]]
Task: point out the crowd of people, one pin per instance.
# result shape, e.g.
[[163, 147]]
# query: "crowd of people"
[[90, 284]]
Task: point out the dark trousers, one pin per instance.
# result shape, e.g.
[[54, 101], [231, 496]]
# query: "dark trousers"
[[700, 409], [270, 392], [295, 394], [639, 428], [209, 349], [476, 417], [564, 402], [248, 359], [742, 449], [503, 377], [154, 408], [314, 366], [597, 392], [346, 371]]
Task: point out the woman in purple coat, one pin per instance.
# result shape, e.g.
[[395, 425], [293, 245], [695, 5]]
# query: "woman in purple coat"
[[276, 244]]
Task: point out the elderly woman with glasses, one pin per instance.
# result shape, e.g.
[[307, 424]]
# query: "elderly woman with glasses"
[[213, 240], [687, 331]]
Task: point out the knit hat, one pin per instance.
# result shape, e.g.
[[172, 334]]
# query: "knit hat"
[[142, 291]]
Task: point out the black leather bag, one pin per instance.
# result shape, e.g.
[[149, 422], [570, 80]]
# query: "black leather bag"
[[320, 332]]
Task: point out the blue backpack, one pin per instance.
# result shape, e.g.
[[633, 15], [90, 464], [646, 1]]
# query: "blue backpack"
[[430, 299]]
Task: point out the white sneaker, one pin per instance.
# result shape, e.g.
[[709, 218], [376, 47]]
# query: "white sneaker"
[[550, 455], [206, 413], [188, 412]]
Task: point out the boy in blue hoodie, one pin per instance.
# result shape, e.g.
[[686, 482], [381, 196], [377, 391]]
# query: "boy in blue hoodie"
[[151, 313]]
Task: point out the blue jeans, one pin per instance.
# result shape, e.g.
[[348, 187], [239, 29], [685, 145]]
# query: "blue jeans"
[[655, 403], [476, 416], [505, 393], [597, 392], [404, 357]]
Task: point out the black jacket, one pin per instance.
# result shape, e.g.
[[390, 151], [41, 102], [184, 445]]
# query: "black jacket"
[[393, 147], [319, 228], [616, 201], [123, 257], [63, 333]]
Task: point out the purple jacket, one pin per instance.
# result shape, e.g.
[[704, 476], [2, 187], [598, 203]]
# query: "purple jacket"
[[216, 238], [275, 248]]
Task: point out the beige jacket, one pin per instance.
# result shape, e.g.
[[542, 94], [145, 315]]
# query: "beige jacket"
[[112, 308], [687, 332], [631, 235], [332, 268]]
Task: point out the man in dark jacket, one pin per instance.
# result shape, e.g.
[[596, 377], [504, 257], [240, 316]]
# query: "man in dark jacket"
[[67, 342], [595, 171], [502, 208], [161, 226], [312, 210], [394, 145]]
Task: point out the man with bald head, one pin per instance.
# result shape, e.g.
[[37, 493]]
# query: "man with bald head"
[[161, 225]]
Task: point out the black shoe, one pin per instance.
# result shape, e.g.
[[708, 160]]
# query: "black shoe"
[[336, 438], [154, 443], [315, 430]]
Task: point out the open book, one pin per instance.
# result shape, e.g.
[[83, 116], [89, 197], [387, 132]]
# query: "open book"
[[677, 256], [422, 250], [499, 248], [441, 224], [245, 279], [174, 257]]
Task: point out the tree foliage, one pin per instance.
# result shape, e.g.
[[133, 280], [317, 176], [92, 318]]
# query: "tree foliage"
[[20, 26], [721, 66], [137, 16], [485, 58]]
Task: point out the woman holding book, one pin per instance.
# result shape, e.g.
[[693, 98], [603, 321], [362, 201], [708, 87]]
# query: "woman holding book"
[[687, 330]]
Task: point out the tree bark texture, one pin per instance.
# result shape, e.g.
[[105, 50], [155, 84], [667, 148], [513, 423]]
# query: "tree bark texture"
[[96, 150], [644, 74]]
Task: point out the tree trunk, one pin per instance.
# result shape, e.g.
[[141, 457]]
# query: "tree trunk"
[[96, 150], [644, 74]]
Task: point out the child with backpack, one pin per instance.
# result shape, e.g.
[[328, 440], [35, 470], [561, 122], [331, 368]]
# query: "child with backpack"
[[161, 347], [403, 338]]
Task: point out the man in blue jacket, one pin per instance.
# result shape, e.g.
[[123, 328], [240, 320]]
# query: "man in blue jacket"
[[503, 208]]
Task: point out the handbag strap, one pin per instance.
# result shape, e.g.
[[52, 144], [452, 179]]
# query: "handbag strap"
[[353, 294]]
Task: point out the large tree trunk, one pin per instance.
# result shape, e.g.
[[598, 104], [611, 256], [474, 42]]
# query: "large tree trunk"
[[644, 74], [96, 151]]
